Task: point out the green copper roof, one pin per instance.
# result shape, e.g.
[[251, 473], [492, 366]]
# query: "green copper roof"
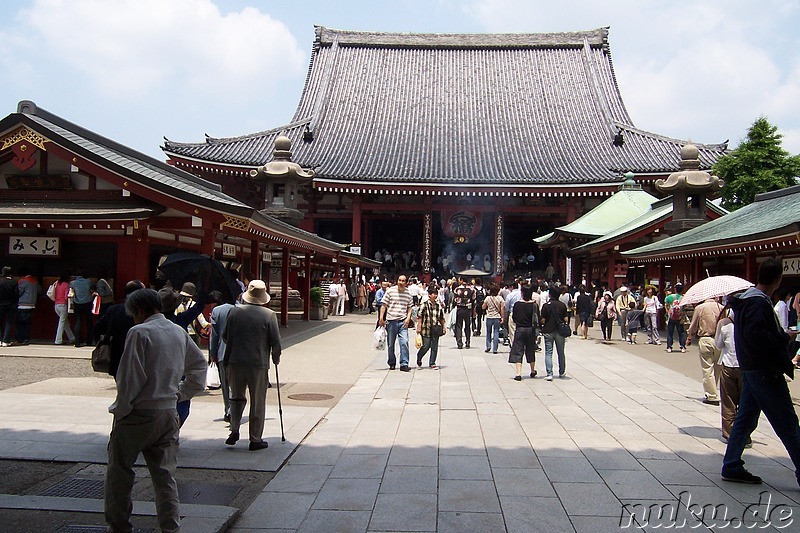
[[619, 209], [772, 214]]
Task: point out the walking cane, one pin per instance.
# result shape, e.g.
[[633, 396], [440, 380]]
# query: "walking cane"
[[280, 409]]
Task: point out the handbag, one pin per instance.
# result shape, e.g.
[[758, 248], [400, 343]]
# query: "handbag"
[[437, 330], [564, 329], [101, 355], [51, 291]]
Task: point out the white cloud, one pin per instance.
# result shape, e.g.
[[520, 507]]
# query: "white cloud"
[[703, 70], [139, 47]]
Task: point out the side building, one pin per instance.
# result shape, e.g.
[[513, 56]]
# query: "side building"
[[72, 199]]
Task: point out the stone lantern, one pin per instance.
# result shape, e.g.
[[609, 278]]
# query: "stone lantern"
[[280, 180], [689, 188]]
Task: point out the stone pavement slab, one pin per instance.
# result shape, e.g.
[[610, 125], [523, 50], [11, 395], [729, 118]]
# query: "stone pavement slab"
[[465, 448]]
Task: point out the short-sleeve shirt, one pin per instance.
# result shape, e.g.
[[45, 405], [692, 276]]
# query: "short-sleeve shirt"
[[397, 303], [464, 296]]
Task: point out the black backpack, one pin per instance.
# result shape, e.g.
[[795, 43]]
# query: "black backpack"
[[480, 296]]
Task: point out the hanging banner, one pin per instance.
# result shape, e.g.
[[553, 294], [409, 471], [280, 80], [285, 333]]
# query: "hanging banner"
[[461, 225]]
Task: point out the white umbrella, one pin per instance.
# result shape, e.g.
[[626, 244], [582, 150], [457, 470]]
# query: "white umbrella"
[[714, 287]]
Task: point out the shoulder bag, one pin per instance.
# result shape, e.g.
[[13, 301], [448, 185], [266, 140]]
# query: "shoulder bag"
[[101, 355]]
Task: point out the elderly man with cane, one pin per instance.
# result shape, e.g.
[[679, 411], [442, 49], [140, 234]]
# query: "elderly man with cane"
[[251, 333]]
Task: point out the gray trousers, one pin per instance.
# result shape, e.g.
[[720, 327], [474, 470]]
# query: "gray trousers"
[[223, 385], [242, 379], [154, 433]]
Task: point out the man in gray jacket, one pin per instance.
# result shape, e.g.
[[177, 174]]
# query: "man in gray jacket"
[[251, 333], [157, 353]]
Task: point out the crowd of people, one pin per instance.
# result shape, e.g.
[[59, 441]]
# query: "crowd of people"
[[525, 314], [746, 345], [449, 262]]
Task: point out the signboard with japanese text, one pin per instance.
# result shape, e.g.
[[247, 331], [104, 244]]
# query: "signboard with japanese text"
[[791, 266], [35, 245], [228, 250]]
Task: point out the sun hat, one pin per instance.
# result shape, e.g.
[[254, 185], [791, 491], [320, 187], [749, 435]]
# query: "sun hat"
[[169, 301], [623, 289], [188, 289], [256, 293]]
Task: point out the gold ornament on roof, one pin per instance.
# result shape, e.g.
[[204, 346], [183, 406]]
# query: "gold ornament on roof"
[[23, 134], [236, 223]]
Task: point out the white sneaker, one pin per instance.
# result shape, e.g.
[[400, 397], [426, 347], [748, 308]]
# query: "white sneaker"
[[549, 378]]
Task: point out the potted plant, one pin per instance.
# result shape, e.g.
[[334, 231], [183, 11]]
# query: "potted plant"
[[317, 311]]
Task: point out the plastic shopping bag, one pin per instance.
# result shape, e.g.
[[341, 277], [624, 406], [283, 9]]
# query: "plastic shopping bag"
[[451, 320], [379, 338], [212, 377]]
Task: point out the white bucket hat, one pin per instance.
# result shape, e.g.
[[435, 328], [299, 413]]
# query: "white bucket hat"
[[256, 293]]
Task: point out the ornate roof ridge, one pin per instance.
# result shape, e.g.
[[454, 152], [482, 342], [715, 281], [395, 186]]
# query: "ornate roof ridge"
[[221, 140], [597, 38], [633, 129]]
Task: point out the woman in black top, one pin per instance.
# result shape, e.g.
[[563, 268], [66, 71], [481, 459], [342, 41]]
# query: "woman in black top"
[[525, 315]]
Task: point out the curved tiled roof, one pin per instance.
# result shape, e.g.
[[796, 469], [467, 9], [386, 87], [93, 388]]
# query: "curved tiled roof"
[[771, 215], [501, 109], [152, 174]]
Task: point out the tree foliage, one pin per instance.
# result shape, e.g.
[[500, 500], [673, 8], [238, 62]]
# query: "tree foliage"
[[758, 165]]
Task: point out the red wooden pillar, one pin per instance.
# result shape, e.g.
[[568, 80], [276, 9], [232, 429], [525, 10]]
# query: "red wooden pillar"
[[357, 220], [697, 263], [306, 290], [133, 259], [207, 246], [255, 261], [610, 279], [750, 266], [285, 288]]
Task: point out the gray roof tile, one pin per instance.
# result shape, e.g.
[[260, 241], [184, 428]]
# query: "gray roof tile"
[[771, 215], [503, 109]]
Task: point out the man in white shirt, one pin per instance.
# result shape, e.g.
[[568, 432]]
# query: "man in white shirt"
[[157, 353]]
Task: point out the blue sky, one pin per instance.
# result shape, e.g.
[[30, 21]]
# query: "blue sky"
[[139, 70]]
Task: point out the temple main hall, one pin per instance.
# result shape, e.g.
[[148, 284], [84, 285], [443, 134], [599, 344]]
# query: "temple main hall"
[[447, 151]]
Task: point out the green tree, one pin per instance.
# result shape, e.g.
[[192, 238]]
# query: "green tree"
[[758, 165]]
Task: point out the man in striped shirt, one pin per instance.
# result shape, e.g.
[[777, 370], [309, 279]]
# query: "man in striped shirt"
[[395, 314]]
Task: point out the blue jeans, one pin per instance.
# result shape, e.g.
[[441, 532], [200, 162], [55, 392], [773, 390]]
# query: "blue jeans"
[[395, 329], [549, 339], [63, 324], [671, 325], [428, 343], [492, 333], [763, 390]]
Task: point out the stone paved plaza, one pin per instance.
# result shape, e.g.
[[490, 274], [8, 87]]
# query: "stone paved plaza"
[[464, 448]]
